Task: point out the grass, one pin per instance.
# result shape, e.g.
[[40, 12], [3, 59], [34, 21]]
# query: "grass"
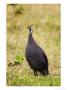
[[46, 32], [25, 77]]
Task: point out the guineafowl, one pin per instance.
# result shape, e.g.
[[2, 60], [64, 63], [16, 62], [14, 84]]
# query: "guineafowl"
[[35, 56]]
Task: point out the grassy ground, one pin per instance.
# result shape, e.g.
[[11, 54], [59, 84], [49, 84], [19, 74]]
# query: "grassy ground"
[[46, 32]]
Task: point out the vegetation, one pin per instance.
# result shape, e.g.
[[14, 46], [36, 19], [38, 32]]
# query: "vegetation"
[[46, 32]]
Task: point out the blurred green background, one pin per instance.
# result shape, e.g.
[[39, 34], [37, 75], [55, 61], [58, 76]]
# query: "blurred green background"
[[46, 32]]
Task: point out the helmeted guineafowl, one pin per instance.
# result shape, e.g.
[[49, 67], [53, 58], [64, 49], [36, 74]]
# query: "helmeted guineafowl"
[[35, 56]]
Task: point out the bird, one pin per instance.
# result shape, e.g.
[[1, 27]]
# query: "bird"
[[35, 56]]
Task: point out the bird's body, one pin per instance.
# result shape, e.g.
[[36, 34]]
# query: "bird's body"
[[35, 56]]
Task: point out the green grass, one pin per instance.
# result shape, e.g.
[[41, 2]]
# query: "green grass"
[[35, 81], [46, 32], [25, 77]]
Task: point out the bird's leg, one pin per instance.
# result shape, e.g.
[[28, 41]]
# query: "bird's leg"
[[35, 73], [44, 73]]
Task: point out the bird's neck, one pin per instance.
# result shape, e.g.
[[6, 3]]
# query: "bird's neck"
[[30, 38]]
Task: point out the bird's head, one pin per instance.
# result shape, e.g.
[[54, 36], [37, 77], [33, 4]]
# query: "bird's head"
[[30, 29]]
